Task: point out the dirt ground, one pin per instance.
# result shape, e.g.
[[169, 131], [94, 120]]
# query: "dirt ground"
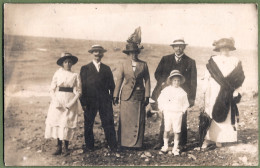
[[27, 77]]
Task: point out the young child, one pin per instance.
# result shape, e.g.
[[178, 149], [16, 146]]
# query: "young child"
[[173, 102]]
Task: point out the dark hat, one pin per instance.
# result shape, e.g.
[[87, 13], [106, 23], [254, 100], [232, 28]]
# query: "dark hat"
[[178, 41], [97, 47], [132, 47], [177, 73], [65, 56], [224, 42]]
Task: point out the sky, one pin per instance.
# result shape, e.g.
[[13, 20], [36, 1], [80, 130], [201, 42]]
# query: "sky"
[[198, 24]]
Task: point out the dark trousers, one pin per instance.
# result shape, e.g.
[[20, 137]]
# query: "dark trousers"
[[107, 119]]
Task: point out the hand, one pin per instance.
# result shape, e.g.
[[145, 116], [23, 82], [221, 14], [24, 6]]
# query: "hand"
[[146, 101], [191, 103], [84, 108], [115, 100], [235, 93]]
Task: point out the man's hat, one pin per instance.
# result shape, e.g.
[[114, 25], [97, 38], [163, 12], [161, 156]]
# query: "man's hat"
[[177, 73], [65, 56], [178, 41], [224, 42], [97, 47]]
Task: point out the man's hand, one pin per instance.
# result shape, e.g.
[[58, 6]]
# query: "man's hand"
[[115, 100], [192, 103], [84, 108], [146, 101]]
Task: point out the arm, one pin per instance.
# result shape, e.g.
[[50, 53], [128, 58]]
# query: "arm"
[[119, 81], [159, 71], [185, 103], [78, 93], [193, 84], [111, 83], [83, 75], [147, 81]]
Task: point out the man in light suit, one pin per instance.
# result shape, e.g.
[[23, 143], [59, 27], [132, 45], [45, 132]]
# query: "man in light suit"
[[187, 66], [97, 95]]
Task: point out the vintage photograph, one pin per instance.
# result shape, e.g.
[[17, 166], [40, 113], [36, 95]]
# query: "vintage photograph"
[[130, 84]]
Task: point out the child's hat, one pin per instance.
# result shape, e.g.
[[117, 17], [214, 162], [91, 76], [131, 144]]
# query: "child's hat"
[[177, 73]]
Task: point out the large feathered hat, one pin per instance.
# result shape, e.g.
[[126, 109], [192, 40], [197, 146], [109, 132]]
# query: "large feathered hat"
[[134, 42]]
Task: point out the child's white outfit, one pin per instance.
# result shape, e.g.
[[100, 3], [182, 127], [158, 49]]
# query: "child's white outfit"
[[173, 102]]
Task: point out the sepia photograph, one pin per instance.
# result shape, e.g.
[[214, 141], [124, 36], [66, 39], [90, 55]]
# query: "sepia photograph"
[[159, 84]]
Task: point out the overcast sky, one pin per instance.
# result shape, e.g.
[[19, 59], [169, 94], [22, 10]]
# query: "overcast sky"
[[199, 24]]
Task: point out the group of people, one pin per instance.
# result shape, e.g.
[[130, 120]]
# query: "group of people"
[[173, 95]]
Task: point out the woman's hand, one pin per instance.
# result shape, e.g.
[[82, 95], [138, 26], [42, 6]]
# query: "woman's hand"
[[115, 100], [235, 93]]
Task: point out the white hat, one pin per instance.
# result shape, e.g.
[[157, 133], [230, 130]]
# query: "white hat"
[[177, 73], [179, 41]]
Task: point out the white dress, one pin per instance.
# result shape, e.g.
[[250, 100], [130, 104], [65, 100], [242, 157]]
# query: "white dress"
[[61, 122], [224, 131]]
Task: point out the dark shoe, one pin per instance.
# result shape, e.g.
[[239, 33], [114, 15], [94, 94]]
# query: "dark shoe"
[[58, 151], [87, 149], [66, 152], [158, 146]]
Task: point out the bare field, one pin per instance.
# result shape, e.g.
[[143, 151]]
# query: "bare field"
[[29, 64]]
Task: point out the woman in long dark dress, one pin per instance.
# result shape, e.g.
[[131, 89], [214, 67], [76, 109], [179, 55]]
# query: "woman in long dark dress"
[[134, 97]]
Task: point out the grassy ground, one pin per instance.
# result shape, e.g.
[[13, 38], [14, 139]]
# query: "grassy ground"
[[29, 66]]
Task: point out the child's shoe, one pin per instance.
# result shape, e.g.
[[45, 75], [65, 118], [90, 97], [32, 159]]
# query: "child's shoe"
[[175, 152], [164, 148]]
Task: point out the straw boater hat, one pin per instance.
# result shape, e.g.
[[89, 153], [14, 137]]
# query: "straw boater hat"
[[179, 41], [97, 47], [65, 56], [224, 42], [177, 73]]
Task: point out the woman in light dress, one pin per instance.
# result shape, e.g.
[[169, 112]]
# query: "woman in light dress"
[[224, 75], [63, 111]]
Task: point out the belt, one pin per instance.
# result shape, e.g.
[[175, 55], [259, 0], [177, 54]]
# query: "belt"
[[65, 89]]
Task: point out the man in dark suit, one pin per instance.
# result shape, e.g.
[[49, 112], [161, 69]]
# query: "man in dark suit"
[[97, 94], [187, 66]]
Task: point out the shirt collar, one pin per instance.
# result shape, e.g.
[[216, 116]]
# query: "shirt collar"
[[179, 56], [95, 63]]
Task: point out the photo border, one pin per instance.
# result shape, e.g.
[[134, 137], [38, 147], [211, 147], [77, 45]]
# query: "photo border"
[[105, 2]]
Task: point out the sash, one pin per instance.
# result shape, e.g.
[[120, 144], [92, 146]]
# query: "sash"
[[228, 84]]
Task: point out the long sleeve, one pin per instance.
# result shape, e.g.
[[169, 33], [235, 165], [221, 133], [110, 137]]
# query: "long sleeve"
[[159, 71], [205, 80], [193, 84], [147, 81], [53, 86], [120, 79], [77, 92], [111, 83], [185, 103], [83, 75]]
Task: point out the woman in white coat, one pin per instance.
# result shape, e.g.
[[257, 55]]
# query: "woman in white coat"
[[224, 75], [63, 111]]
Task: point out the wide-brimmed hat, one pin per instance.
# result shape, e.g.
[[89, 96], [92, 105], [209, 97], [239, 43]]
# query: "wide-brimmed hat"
[[177, 73], [97, 47], [179, 41], [224, 42], [131, 47], [65, 56]]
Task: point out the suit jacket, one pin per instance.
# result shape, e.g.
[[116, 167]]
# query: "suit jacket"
[[186, 66], [133, 80], [96, 86]]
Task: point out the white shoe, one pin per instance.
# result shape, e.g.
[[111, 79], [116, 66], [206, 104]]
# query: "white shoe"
[[218, 144], [205, 145], [175, 152], [164, 148]]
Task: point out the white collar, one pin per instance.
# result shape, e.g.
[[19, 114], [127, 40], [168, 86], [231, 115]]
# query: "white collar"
[[179, 56], [95, 63]]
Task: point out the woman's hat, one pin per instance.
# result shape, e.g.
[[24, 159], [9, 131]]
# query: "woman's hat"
[[178, 41], [65, 56], [224, 42], [97, 47], [177, 73], [132, 47]]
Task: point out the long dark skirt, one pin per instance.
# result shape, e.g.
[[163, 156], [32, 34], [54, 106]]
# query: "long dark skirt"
[[131, 124]]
